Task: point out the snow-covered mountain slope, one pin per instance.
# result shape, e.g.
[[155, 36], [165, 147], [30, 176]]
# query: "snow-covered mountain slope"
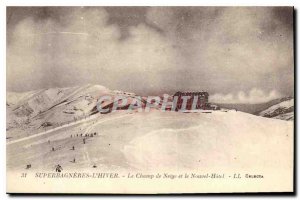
[[35, 111], [283, 110], [253, 108], [195, 140], [140, 141], [31, 112], [50, 107], [163, 140]]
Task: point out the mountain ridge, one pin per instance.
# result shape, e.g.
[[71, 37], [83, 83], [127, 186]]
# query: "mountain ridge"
[[53, 107]]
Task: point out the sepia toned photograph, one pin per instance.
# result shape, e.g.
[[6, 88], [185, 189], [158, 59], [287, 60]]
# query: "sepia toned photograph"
[[149, 100]]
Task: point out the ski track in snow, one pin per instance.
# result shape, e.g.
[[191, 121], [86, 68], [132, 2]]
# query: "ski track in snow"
[[64, 126]]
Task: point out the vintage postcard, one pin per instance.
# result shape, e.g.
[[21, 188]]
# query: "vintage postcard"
[[149, 100]]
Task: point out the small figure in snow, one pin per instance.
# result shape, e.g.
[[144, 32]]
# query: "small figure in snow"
[[58, 168]]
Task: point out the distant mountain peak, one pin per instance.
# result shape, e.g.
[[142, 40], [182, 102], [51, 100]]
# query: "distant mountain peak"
[[283, 110]]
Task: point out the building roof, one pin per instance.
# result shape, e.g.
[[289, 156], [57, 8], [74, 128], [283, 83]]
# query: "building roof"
[[187, 93]]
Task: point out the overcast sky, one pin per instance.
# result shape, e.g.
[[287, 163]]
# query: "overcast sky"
[[236, 54]]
